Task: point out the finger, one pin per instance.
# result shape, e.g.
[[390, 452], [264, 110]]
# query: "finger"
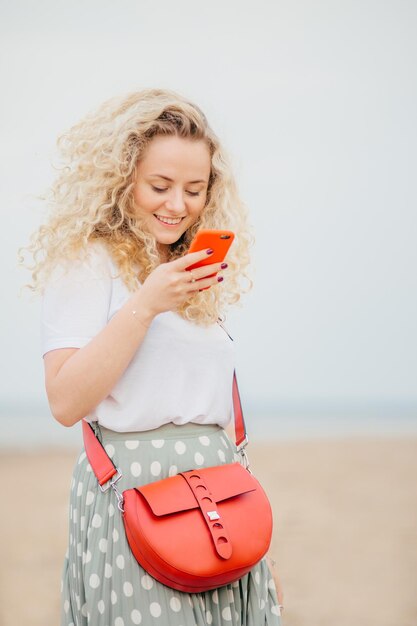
[[204, 271], [198, 285], [189, 259]]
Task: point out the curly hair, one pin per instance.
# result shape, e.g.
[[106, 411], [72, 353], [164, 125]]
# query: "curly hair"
[[92, 198]]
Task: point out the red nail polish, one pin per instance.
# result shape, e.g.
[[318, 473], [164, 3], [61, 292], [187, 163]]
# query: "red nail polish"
[[223, 266], [210, 251], [219, 279]]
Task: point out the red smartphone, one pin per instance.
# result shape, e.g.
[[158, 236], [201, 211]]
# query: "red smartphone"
[[219, 240]]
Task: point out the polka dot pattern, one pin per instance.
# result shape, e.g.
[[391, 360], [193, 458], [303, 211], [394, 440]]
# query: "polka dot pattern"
[[136, 616], [120, 561], [198, 458], [110, 450], [156, 468], [180, 447], [107, 585], [86, 557], [94, 581], [96, 521], [175, 604], [136, 469], [227, 614], [146, 582], [224, 442], [132, 444], [155, 609], [221, 456], [102, 545], [128, 589]]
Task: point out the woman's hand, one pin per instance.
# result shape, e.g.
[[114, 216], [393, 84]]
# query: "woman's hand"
[[280, 595], [169, 284]]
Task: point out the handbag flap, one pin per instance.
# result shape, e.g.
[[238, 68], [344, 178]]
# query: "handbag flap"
[[172, 495]]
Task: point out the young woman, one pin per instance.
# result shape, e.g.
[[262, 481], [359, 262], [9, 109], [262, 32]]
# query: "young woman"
[[131, 344]]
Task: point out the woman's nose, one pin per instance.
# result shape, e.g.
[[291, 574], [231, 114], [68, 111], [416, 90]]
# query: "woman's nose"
[[176, 200]]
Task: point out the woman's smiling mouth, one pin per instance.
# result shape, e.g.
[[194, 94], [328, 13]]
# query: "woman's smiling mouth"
[[168, 221]]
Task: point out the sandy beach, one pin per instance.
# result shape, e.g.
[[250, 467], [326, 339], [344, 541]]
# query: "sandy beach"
[[345, 536]]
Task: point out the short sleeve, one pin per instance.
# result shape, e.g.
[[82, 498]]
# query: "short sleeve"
[[76, 301]]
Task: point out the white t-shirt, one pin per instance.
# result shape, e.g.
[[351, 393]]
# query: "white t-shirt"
[[182, 372]]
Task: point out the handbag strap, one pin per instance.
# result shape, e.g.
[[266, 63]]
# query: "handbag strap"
[[104, 468]]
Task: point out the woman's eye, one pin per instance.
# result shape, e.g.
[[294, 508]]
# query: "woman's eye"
[[160, 190]]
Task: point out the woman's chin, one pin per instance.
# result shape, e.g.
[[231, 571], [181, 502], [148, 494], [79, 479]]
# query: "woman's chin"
[[168, 238], [167, 241]]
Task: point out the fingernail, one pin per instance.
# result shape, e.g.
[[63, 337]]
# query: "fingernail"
[[210, 251], [223, 266], [219, 279]]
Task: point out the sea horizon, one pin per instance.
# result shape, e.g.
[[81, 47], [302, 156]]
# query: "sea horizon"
[[41, 430]]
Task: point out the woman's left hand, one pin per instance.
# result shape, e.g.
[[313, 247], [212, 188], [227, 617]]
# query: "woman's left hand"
[[272, 569]]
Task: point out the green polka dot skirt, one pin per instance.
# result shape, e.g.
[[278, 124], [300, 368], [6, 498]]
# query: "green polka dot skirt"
[[104, 585]]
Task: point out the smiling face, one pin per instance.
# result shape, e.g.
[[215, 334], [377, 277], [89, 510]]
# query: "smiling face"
[[171, 186]]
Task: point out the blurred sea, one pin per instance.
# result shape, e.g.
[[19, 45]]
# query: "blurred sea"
[[42, 430]]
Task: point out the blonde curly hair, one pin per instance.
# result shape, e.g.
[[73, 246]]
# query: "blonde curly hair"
[[92, 198]]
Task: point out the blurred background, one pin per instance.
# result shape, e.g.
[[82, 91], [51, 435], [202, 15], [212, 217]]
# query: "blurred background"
[[315, 103]]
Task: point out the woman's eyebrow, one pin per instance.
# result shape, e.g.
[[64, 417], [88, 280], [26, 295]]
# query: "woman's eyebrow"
[[190, 182]]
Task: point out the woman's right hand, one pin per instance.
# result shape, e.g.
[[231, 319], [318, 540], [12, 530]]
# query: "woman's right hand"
[[169, 284]]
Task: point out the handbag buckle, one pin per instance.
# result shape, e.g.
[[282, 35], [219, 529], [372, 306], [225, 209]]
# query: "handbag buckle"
[[245, 460], [117, 476], [241, 450], [242, 444], [112, 483]]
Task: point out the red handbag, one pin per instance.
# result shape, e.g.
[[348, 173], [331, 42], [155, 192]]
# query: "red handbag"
[[198, 530]]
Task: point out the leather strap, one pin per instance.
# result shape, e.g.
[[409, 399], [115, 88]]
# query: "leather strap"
[[104, 468], [211, 515], [99, 460]]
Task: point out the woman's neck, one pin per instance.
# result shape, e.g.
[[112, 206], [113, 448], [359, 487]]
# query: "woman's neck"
[[163, 252]]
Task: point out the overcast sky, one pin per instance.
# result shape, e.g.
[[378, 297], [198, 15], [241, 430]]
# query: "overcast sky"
[[316, 103]]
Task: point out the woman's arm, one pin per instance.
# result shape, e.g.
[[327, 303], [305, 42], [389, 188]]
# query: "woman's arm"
[[77, 380]]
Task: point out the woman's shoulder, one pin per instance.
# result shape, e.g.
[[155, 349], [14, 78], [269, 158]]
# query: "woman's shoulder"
[[98, 256], [93, 261]]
